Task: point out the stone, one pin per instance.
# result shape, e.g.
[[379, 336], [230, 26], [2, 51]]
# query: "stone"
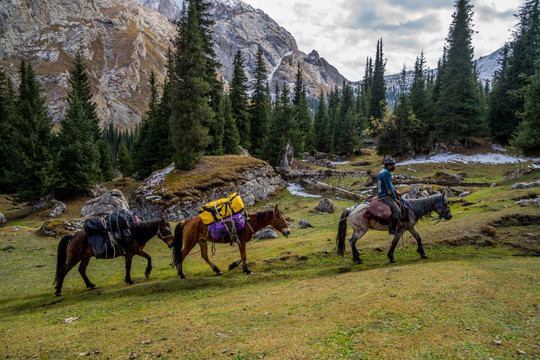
[[3, 219], [304, 224], [493, 185], [526, 202], [529, 185], [58, 209], [266, 233], [97, 190], [108, 203], [466, 193], [326, 205]]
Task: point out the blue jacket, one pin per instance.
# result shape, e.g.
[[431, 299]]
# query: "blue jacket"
[[384, 184]]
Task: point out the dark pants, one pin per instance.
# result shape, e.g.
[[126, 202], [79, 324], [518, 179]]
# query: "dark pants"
[[395, 211]]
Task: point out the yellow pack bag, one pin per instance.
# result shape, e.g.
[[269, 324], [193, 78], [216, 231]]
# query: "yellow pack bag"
[[222, 208]]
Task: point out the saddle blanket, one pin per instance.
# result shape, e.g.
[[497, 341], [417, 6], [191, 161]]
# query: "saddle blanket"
[[224, 228]]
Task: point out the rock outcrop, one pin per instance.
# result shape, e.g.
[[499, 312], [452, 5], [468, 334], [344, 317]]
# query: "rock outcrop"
[[3, 219], [179, 194], [108, 203]]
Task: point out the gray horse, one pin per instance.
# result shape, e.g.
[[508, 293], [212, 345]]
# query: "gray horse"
[[361, 224]]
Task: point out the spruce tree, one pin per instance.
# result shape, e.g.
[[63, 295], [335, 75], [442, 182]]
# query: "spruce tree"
[[7, 122], [517, 67], [457, 115], [527, 134], [346, 137], [231, 138], [378, 87], [321, 125], [30, 162], [124, 161], [238, 96], [159, 146], [303, 138], [191, 112], [259, 109], [420, 104]]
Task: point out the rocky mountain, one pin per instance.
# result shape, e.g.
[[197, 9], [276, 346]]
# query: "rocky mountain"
[[121, 42]]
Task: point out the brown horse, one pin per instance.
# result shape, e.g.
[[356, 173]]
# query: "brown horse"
[[361, 224], [193, 232], [74, 248]]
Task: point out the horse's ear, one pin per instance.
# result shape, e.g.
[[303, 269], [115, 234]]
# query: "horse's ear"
[[276, 209]]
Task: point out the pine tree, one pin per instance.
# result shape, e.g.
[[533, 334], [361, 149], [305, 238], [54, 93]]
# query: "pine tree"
[[259, 109], [7, 122], [30, 162], [238, 96], [191, 112], [517, 66], [420, 104], [159, 146], [346, 126], [378, 87], [457, 115], [231, 138], [334, 106]]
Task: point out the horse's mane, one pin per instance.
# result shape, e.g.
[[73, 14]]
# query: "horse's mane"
[[262, 215], [144, 227], [423, 206]]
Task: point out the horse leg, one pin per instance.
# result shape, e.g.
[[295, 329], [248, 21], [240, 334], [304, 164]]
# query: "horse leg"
[[242, 248], [355, 236], [128, 259], [393, 247], [235, 264], [149, 259], [188, 245], [419, 241], [70, 264], [204, 254], [82, 270]]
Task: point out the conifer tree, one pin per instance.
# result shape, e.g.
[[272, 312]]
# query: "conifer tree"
[[420, 103], [346, 137], [238, 96], [159, 147], [527, 134], [7, 122], [302, 136], [457, 115], [231, 138], [191, 112], [378, 87], [507, 101], [321, 125], [124, 161], [30, 163], [259, 110]]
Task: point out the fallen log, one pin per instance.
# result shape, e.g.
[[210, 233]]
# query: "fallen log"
[[325, 187]]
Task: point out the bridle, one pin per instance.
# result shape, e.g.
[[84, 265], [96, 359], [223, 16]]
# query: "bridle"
[[161, 235], [440, 205], [279, 221]]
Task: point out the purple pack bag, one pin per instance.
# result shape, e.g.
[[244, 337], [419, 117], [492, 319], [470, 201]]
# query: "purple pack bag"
[[221, 229]]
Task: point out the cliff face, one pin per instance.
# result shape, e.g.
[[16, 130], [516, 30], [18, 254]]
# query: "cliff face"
[[121, 42]]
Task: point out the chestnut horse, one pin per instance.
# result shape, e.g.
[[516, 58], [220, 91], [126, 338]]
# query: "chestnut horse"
[[74, 248], [361, 224], [193, 231]]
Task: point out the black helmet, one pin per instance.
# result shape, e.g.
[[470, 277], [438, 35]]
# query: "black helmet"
[[389, 161]]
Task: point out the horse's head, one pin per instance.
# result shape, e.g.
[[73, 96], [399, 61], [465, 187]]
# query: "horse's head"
[[164, 232], [279, 222], [442, 208]]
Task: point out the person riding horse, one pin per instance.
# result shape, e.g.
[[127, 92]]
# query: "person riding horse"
[[387, 192]]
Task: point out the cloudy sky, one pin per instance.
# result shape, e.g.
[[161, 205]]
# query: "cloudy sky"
[[345, 32]]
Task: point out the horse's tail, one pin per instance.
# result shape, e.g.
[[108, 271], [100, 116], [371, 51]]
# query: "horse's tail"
[[61, 257], [178, 243], [342, 232]]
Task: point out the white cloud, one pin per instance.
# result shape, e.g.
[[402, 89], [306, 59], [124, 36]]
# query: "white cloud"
[[345, 32]]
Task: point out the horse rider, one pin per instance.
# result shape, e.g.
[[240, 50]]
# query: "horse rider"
[[387, 192]]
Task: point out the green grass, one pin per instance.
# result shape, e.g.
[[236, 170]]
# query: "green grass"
[[302, 302]]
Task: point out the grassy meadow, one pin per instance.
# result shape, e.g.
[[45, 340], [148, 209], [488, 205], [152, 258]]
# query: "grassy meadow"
[[476, 297]]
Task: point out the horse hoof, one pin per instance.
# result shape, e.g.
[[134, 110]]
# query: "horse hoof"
[[219, 273], [424, 256], [58, 293], [249, 272], [231, 267], [130, 282], [392, 261], [358, 261], [93, 287]]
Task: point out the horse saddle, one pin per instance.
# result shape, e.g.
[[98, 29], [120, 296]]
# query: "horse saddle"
[[381, 212]]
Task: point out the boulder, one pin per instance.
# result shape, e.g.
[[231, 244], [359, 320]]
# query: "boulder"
[[266, 233], [3, 219], [304, 224], [108, 203], [326, 206], [58, 209], [526, 185], [179, 194], [58, 228], [466, 193], [97, 190], [526, 202]]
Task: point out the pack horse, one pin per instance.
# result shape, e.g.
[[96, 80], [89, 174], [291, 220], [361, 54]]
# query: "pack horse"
[[78, 247], [362, 220]]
